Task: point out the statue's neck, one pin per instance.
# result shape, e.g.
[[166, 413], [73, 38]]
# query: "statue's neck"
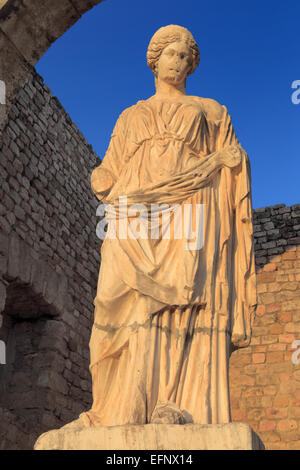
[[167, 90]]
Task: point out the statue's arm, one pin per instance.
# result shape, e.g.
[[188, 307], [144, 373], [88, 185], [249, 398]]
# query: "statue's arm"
[[226, 135], [107, 173], [243, 263], [244, 276]]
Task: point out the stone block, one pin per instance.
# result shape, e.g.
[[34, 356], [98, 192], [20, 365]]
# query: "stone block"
[[25, 264], [3, 252], [231, 436], [14, 256], [51, 287], [38, 276], [2, 296], [62, 293]]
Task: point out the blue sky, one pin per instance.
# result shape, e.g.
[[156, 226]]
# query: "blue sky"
[[250, 55]]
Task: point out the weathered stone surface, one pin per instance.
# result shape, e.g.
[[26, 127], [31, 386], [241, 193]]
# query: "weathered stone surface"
[[13, 256], [33, 25], [27, 29], [13, 68], [83, 5], [232, 436], [38, 254], [2, 297], [167, 294]]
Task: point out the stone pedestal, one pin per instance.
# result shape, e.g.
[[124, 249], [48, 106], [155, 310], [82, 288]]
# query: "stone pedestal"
[[232, 436]]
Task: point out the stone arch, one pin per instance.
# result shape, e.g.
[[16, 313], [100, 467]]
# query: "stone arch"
[[33, 300], [27, 29], [20, 266]]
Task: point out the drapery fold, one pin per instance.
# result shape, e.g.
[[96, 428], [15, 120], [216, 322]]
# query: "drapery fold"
[[142, 279]]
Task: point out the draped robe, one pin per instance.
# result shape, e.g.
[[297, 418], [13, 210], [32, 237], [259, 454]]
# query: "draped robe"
[[165, 316]]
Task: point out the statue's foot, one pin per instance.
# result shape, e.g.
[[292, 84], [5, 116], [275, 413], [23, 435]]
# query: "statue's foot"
[[167, 413], [83, 421]]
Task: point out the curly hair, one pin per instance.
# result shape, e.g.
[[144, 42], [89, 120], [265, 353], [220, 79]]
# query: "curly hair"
[[167, 35]]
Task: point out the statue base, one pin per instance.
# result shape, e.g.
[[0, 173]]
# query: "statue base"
[[231, 436]]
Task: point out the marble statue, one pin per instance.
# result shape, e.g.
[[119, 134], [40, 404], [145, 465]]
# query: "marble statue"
[[166, 317]]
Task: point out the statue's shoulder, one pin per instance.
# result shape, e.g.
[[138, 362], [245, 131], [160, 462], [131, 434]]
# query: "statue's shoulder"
[[214, 111], [128, 112]]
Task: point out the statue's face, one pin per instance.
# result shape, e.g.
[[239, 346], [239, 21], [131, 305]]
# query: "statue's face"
[[174, 63]]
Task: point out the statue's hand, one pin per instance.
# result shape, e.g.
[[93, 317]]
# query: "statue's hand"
[[102, 182], [240, 341], [230, 156]]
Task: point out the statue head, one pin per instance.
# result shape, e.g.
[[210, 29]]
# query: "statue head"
[[165, 37]]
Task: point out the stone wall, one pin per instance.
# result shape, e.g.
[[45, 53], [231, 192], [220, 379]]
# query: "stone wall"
[[49, 263], [265, 382]]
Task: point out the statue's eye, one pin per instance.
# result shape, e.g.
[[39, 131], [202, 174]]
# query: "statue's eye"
[[182, 56]]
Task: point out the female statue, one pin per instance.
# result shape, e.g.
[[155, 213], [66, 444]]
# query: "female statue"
[[166, 316]]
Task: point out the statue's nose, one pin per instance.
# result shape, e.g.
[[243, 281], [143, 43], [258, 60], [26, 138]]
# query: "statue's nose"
[[176, 61]]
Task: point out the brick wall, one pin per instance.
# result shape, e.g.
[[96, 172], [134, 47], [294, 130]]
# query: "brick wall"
[[265, 383]]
